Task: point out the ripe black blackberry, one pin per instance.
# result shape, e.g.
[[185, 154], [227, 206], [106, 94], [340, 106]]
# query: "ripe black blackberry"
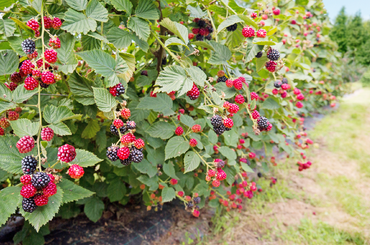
[[199, 37], [227, 129], [221, 79], [259, 174], [273, 54], [112, 153], [196, 200], [114, 130], [120, 89], [220, 164], [144, 73], [130, 125], [136, 155], [259, 54], [164, 61], [43, 85], [210, 29], [190, 205], [216, 121], [232, 27], [29, 164], [284, 81], [28, 205], [263, 123], [209, 37], [201, 23], [40, 180], [126, 162], [277, 84], [28, 46], [220, 129]]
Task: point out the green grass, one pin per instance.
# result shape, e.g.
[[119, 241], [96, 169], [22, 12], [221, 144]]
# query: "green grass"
[[320, 233]]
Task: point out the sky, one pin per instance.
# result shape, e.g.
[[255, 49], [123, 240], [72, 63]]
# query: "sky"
[[352, 6]]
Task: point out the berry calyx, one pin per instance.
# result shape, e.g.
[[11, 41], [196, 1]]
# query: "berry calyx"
[[76, 171]]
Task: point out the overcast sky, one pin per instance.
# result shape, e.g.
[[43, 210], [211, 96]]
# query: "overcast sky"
[[352, 6]]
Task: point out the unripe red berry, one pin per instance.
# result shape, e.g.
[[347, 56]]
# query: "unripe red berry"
[[66, 153], [179, 131], [47, 134], [76, 171]]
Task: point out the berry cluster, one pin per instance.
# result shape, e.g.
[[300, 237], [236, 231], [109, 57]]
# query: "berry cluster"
[[191, 203], [202, 30], [193, 93], [117, 90], [220, 125], [37, 186], [130, 149], [218, 175]]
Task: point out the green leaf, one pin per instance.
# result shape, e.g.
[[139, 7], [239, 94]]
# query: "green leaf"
[[212, 137], [10, 200], [246, 168], [179, 30], [94, 208], [191, 161], [96, 11], [146, 9], [22, 25], [91, 129], [168, 194], [169, 169], [187, 120], [175, 147], [228, 22], [4, 106], [85, 158], [174, 41], [89, 42], [20, 94], [6, 3], [252, 53], [104, 100], [60, 129], [104, 64], [248, 20], [5, 93], [123, 5], [151, 182], [80, 87], [7, 27], [221, 54], [227, 152], [261, 62], [78, 5], [78, 22], [119, 38], [301, 2], [174, 78], [140, 27], [197, 75], [11, 159], [146, 167], [44, 214], [54, 114], [116, 190], [162, 103], [67, 61], [270, 104], [8, 62], [23, 127], [263, 41], [73, 192], [130, 61], [161, 130], [196, 12]]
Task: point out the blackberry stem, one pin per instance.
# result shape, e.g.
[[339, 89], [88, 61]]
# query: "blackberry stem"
[[39, 89], [213, 24]]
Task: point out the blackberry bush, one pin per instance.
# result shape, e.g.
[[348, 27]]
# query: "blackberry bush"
[[159, 103]]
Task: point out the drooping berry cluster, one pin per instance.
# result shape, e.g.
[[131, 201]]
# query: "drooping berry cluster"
[[130, 149], [218, 175], [117, 90], [193, 93], [37, 186], [203, 29], [273, 55]]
